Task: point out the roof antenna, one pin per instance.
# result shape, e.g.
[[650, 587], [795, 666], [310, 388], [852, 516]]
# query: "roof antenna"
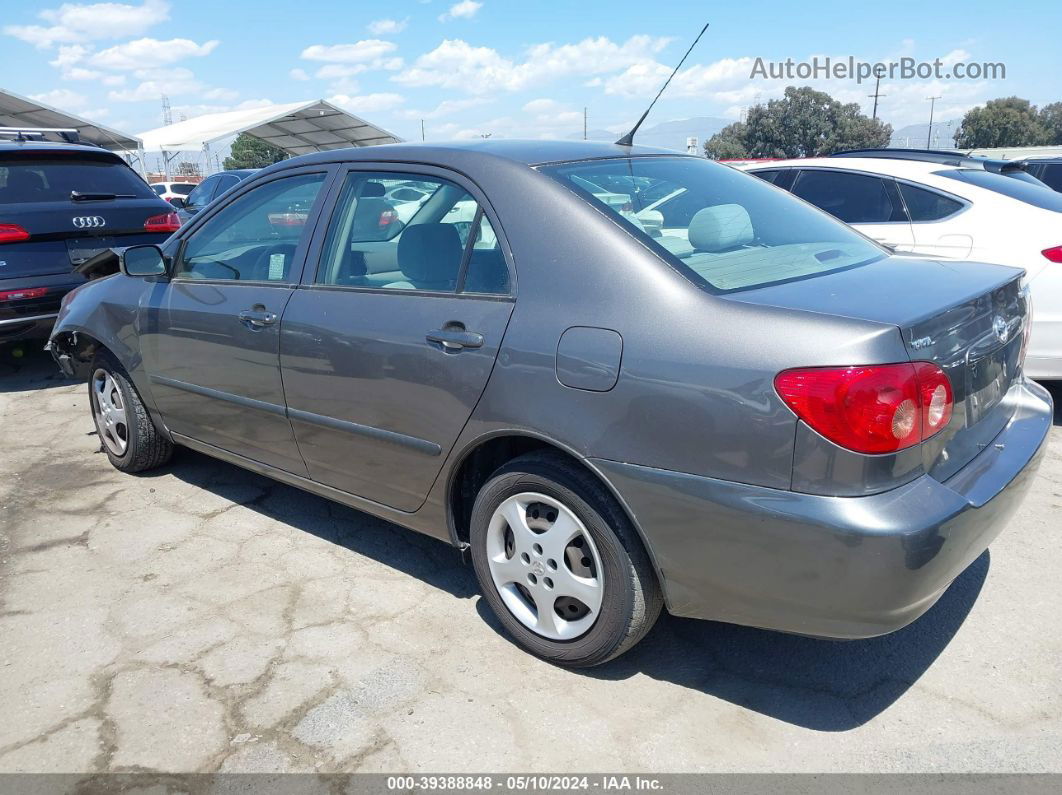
[[628, 139]]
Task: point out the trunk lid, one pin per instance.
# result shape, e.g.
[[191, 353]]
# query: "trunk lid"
[[966, 317]]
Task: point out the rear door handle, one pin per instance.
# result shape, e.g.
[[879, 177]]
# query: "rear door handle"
[[256, 318], [455, 339]]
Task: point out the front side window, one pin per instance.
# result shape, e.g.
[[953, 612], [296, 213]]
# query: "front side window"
[[202, 192], [727, 230], [393, 231], [927, 205], [255, 237], [853, 198]]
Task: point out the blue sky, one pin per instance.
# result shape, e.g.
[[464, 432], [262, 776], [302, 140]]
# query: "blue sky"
[[510, 69]]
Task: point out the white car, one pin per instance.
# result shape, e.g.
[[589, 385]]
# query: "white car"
[[172, 190], [946, 206]]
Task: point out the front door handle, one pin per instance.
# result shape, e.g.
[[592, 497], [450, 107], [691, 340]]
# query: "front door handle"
[[258, 318], [455, 338]]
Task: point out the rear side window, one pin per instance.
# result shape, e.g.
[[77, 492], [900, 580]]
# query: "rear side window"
[[159, 189], [853, 198], [387, 233], [54, 180], [927, 205], [255, 237], [1035, 193], [1051, 175]]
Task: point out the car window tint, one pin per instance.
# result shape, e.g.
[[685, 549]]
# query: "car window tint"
[[182, 188], [54, 179], [487, 272], [227, 182], [1035, 193], [767, 176], [853, 198], [927, 205], [1051, 175], [396, 231], [255, 237], [724, 229], [159, 189], [202, 192]]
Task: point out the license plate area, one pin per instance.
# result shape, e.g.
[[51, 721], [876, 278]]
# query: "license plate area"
[[988, 377], [83, 249]]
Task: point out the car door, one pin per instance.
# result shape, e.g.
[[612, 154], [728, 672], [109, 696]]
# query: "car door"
[[868, 202], [388, 343], [211, 333], [939, 228]]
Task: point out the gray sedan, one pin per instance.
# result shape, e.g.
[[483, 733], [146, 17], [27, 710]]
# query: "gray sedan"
[[727, 403]]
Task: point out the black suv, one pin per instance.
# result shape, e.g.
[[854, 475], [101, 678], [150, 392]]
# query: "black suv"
[[62, 203]]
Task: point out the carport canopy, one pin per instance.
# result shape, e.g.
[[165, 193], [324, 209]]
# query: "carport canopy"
[[298, 128], [19, 111]]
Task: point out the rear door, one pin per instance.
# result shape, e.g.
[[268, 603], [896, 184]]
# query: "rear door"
[[387, 345], [937, 223], [868, 202], [211, 334]]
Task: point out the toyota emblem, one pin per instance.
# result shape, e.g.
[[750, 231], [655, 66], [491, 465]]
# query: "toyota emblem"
[[1000, 327], [89, 221]]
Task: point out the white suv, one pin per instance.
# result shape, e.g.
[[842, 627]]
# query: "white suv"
[[950, 206]]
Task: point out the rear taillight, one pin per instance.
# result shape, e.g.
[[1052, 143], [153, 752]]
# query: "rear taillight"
[[13, 233], [871, 409], [1053, 254], [167, 222], [21, 295], [387, 217]]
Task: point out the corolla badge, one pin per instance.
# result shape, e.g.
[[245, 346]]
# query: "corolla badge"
[[89, 221], [1000, 328]]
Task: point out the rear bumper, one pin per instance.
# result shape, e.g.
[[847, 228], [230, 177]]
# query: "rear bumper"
[[842, 567], [33, 318]]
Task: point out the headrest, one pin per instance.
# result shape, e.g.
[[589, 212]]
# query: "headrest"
[[721, 227], [430, 255], [372, 190]]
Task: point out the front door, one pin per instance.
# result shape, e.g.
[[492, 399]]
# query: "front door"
[[387, 347], [211, 334]]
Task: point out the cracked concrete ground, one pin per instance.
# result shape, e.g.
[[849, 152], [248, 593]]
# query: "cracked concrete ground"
[[204, 618]]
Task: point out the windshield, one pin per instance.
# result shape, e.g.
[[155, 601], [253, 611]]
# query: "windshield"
[[1030, 190], [43, 180], [725, 229]]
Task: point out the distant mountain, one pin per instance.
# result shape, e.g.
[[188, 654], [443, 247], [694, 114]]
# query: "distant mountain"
[[913, 136], [668, 134]]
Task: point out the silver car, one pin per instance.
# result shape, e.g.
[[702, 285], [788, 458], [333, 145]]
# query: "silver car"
[[743, 411]]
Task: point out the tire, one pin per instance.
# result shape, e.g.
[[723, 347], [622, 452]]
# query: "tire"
[[120, 416], [547, 491]]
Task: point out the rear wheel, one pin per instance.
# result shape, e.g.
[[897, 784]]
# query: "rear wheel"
[[560, 564], [127, 434]]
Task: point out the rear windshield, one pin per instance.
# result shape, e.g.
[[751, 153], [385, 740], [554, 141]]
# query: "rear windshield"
[[1029, 190], [54, 180], [727, 230], [183, 188]]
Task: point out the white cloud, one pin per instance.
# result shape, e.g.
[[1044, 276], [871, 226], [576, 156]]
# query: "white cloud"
[[367, 103], [445, 108], [336, 71], [62, 98], [457, 64], [298, 74], [644, 79], [221, 94], [156, 82], [149, 52], [466, 9], [77, 22], [543, 105], [69, 54], [384, 27], [358, 52]]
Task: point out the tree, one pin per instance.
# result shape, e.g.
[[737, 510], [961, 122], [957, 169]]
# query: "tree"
[[251, 152], [1009, 121], [1051, 119], [804, 123]]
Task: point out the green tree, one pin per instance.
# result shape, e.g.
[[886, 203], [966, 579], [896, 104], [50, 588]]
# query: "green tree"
[[1008, 121], [251, 152], [1051, 119], [804, 123]]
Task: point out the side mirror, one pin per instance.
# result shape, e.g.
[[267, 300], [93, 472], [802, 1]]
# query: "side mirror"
[[177, 202], [140, 261]]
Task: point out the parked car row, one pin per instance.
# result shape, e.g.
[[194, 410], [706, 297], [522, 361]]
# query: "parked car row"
[[623, 379]]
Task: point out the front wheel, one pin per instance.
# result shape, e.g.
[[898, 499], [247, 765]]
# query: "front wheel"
[[560, 564], [127, 434]]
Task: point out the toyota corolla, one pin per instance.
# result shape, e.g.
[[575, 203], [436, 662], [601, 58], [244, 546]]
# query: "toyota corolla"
[[733, 406]]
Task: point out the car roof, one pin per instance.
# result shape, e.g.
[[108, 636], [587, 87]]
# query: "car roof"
[[46, 147], [526, 152], [874, 165]]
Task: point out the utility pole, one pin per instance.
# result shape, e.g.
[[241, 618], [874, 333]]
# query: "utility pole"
[[929, 135], [878, 72], [422, 129], [167, 114], [584, 122]]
